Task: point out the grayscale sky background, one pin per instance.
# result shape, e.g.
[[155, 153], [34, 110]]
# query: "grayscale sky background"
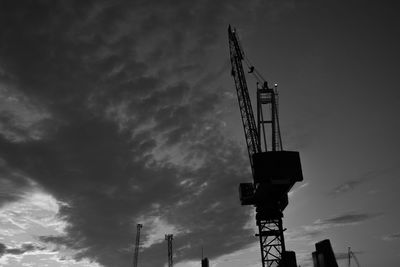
[[114, 113]]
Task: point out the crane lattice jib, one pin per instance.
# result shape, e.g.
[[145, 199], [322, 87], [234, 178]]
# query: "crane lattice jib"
[[246, 111]]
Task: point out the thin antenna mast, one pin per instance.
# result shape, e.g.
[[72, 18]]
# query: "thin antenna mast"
[[169, 242], [137, 245]]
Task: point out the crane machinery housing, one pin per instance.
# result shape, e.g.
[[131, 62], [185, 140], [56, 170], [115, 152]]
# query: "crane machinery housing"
[[274, 169]]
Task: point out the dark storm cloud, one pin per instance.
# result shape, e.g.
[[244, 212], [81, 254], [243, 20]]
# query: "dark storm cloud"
[[24, 248], [132, 123]]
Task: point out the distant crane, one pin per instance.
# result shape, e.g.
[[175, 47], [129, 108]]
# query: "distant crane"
[[352, 255], [137, 245], [169, 244], [274, 170]]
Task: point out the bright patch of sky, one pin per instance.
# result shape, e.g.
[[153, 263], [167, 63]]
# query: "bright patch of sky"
[[155, 230], [24, 221]]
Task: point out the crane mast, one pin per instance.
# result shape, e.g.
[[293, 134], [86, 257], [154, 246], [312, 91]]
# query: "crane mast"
[[274, 170], [137, 245]]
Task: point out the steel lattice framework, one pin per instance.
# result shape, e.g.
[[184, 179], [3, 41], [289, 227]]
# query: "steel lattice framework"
[[271, 240], [246, 110]]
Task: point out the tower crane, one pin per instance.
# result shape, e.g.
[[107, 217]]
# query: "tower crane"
[[137, 245], [274, 169]]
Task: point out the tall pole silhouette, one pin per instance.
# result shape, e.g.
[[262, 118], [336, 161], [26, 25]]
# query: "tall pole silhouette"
[[137, 245], [169, 244]]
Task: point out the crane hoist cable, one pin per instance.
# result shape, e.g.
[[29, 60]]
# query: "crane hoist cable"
[[257, 75]]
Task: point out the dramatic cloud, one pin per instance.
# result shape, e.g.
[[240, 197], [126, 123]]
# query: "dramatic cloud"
[[20, 250], [114, 113], [118, 112]]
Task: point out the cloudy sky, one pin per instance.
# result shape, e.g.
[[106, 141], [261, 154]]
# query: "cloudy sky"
[[114, 113]]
